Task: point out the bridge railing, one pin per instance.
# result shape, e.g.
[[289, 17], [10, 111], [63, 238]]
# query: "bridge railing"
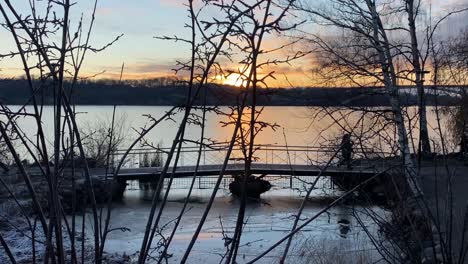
[[265, 154]]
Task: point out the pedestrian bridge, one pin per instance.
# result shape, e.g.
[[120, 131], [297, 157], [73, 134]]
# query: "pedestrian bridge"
[[267, 160], [233, 169]]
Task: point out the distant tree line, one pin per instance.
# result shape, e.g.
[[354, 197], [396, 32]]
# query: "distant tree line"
[[170, 91]]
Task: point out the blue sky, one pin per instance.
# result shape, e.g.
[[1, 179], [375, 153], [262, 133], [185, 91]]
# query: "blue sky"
[[141, 20], [141, 52]]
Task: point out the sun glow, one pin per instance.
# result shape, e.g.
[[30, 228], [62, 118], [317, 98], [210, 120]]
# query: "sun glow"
[[234, 79]]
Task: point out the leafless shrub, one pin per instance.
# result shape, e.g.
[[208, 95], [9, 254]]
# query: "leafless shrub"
[[97, 143]]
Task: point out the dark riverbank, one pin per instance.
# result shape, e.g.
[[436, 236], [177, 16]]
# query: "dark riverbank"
[[169, 93]]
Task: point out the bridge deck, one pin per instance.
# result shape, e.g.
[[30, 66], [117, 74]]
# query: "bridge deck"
[[256, 168]]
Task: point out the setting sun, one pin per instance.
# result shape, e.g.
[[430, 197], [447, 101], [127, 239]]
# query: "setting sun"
[[234, 79]]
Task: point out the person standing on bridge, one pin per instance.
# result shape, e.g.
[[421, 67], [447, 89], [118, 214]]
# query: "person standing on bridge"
[[346, 150], [464, 145]]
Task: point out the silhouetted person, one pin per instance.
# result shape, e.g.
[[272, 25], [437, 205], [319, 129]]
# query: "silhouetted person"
[[346, 150], [464, 144]]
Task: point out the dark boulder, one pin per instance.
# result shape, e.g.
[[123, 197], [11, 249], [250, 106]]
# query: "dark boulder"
[[254, 186]]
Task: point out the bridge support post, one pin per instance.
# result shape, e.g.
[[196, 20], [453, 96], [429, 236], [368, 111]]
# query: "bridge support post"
[[118, 188], [157, 188]]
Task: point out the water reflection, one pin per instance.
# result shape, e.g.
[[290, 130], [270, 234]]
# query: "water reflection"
[[266, 222], [300, 127]]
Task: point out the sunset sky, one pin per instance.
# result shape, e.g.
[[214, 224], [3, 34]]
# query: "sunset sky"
[[145, 56]]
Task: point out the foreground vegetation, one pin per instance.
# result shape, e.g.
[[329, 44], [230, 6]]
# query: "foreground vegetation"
[[52, 48]]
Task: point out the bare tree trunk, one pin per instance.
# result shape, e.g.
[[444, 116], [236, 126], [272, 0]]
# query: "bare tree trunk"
[[252, 80], [390, 81], [424, 144]]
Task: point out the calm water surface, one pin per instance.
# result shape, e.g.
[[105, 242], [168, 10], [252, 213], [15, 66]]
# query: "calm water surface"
[[297, 125]]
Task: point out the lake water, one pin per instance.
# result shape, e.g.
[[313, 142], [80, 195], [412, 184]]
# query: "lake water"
[[266, 221], [300, 126]]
